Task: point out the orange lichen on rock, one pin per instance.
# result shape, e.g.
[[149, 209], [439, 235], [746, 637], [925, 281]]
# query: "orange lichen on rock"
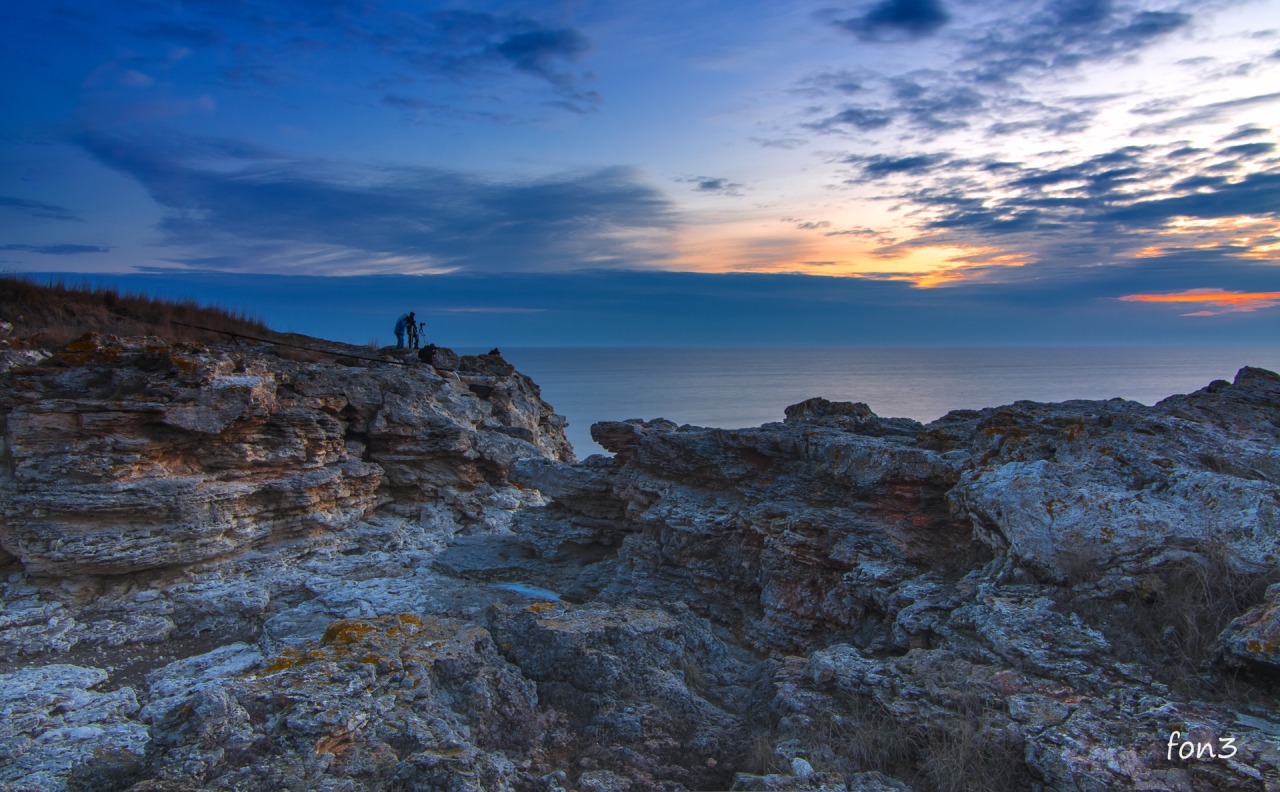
[[286, 659], [346, 631]]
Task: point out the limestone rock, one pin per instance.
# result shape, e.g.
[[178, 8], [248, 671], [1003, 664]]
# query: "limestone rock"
[[135, 454], [773, 525], [1254, 637], [51, 721], [623, 437], [416, 701], [1082, 486], [355, 575]]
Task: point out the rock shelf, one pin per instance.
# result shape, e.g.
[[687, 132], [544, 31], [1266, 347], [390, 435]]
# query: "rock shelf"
[[229, 570]]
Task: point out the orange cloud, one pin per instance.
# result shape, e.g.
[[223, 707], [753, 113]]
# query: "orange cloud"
[[1229, 301], [762, 247], [1244, 236]]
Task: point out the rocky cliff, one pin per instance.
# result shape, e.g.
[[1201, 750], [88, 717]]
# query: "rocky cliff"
[[230, 569]]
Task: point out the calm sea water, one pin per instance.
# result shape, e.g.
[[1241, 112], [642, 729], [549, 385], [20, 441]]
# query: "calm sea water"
[[735, 388]]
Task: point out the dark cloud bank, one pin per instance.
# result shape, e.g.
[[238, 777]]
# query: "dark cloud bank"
[[689, 309], [258, 213], [57, 250]]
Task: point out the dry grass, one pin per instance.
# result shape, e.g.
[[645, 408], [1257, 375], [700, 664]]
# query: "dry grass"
[[62, 312], [1173, 629], [969, 754], [694, 678], [761, 760]]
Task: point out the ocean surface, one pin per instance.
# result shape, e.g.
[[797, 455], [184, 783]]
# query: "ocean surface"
[[736, 387]]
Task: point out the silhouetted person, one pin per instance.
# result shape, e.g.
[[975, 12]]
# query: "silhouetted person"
[[402, 324], [412, 328]]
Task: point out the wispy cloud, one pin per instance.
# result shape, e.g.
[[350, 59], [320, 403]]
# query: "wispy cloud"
[[711, 184], [1227, 301], [37, 209], [495, 310], [254, 210], [57, 250]]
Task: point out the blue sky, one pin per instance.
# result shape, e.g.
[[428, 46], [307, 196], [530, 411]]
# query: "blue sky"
[[693, 173]]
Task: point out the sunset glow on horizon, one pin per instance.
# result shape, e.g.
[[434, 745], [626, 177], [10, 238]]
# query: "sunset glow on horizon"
[[1229, 301]]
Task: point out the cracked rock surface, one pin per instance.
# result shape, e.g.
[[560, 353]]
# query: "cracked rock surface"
[[225, 569]]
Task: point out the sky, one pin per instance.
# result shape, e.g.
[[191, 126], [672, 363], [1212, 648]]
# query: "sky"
[[696, 173]]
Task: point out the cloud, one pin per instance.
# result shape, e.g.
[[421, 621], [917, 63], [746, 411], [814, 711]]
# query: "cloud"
[[57, 250], [1132, 208], [537, 51], [260, 42], [1111, 188], [992, 60], [1229, 301], [1248, 150], [912, 18], [1062, 123], [867, 232], [242, 208], [780, 143], [37, 209], [1257, 193], [465, 44], [496, 310], [865, 119], [1245, 132], [1209, 113], [841, 82], [675, 309], [879, 166], [1064, 35], [709, 184]]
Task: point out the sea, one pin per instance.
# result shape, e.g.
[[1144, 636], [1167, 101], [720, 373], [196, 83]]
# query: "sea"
[[733, 388]]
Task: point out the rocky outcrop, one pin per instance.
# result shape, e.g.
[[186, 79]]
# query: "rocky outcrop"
[[134, 454], [54, 722], [228, 567], [787, 533], [1253, 639], [1115, 486]]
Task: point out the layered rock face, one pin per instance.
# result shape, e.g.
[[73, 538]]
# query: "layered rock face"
[[232, 570], [135, 454]]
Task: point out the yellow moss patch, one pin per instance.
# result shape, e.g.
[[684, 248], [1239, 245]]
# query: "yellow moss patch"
[[287, 659], [541, 607], [345, 631]]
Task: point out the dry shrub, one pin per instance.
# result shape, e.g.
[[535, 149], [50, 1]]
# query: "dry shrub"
[[970, 753], [64, 311], [973, 761], [761, 759], [694, 678], [1174, 626]]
